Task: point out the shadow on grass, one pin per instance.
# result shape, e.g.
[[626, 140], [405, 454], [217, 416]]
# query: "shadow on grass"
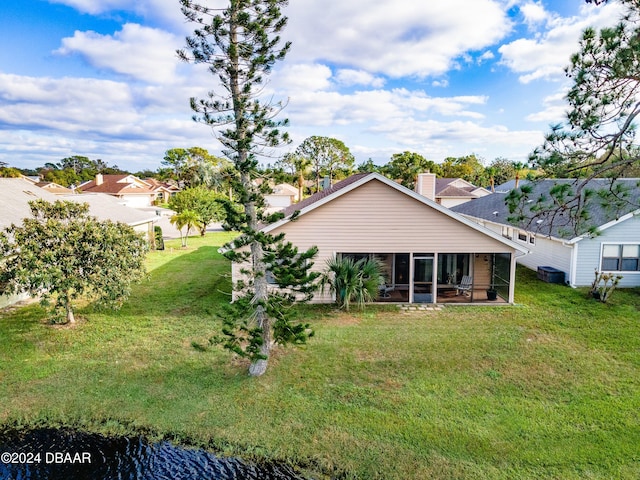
[[195, 283]]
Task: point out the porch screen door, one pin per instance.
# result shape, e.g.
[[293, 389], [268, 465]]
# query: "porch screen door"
[[423, 279]]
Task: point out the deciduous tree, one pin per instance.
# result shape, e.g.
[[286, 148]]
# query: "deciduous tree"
[[469, 168], [63, 254], [326, 155], [203, 202], [406, 166]]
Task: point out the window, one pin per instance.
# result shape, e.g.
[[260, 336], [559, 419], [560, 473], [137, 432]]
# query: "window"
[[532, 240], [522, 236], [507, 232], [620, 258]]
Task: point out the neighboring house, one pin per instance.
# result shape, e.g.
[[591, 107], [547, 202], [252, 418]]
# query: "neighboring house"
[[615, 249], [132, 191], [16, 193], [163, 190], [106, 207], [426, 249], [448, 192], [282, 196], [54, 188]]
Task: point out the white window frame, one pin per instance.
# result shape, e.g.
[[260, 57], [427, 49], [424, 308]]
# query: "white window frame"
[[620, 257]]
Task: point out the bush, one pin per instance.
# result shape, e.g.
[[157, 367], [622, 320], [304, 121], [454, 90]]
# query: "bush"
[[352, 281], [157, 230]]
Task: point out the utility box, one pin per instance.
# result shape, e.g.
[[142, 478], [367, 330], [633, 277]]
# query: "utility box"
[[550, 275]]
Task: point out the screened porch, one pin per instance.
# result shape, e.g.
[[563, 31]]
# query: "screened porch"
[[428, 277]]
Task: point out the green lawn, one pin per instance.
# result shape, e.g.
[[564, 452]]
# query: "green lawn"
[[549, 388]]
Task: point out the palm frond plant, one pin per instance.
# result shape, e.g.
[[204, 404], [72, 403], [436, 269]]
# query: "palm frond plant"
[[352, 281]]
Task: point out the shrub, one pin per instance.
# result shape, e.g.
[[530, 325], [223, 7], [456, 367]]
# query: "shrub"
[[352, 281]]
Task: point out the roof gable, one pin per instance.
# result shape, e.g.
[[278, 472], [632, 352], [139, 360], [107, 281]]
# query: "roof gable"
[[356, 181], [124, 184]]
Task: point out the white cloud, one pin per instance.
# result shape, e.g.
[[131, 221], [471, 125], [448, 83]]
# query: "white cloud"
[[302, 77], [143, 53], [534, 13], [488, 55], [437, 139], [166, 12], [546, 56], [555, 107], [406, 38], [349, 77]]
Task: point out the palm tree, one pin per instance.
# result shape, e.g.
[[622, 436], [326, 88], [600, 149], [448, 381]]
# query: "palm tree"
[[519, 168], [186, 218], [352, 281]]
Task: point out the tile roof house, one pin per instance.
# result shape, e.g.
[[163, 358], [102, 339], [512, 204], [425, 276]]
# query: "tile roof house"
[[54, 188], [425, 248], [448, 192], [132, 191], [563, 245], [163, 190]]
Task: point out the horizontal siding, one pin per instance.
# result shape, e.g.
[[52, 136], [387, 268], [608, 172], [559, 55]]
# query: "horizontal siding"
[[377, 218], [589, 251], [545, 252], [550, 253]]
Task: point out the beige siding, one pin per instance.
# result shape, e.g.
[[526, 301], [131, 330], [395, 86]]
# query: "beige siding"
[[375, 218]]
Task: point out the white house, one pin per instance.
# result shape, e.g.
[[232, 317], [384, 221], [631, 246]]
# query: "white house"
[[614, 248]]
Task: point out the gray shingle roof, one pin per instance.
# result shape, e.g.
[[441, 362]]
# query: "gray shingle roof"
[[493, 207], [15, 194], [323, 193]]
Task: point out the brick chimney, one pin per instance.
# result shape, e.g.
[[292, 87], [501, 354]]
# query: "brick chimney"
[[426, 185], [99, 179]]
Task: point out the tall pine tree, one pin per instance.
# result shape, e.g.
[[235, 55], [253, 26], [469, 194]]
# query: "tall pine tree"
[[240, 44], [598, 138]]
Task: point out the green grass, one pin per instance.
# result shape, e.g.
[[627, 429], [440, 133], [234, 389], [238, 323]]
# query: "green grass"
[[547, 389]]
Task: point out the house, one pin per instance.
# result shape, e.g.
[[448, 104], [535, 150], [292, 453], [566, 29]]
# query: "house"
[[425, 248], [615, 248], [132, 191], [448, 192], [163, 190], [281, 196], [16, 193], [106, 207], [54, 188]]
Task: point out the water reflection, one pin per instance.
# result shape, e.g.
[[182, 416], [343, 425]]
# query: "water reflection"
[[53, 454]]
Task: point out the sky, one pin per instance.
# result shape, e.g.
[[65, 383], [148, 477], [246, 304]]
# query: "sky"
[[443, 78]]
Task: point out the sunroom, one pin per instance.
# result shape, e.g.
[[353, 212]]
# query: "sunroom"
[[429, 277]]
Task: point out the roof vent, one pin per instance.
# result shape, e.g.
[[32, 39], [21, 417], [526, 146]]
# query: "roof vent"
[[495, 213]]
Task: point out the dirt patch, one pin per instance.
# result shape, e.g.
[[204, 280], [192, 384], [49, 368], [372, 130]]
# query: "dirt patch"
[[65, 326]]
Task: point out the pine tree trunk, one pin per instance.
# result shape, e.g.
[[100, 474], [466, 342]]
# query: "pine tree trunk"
[[259, 367]]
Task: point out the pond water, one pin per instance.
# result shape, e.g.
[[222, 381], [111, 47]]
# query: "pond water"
[[54, 454]]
